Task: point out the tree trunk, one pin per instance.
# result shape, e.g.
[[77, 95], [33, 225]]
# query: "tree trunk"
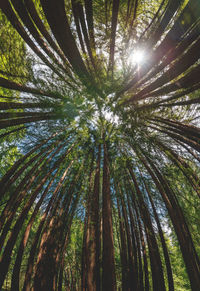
[[123, 252], [108, 263], [5, 179], [165, 251], [46, 267], [134, 243], [183, 234], [24, 240], [6, 257], [132, 279], [93, 275], [156, 264]]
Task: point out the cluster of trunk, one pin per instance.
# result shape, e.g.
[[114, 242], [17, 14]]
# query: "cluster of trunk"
[[40, 193]]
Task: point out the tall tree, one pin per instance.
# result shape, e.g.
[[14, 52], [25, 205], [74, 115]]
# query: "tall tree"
[[99, 145]]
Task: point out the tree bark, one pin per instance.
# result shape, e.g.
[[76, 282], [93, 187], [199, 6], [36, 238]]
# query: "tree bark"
[[183, 234], [156, 264], [164, 246], [93, 272], [123, 252], [108, 263]]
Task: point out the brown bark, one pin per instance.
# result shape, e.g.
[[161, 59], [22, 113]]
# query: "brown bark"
[[79, 13], [12, 17], [63, 239], [6, 257], [17, 121], [38, 22], [46, 267], [85, 262], [6, 178], [187, 129], [9, 115], [57, 19], [108, 263], [115, 10], [183, 234], [29, 271], [134, 243], [21, 190], [144, 253], [132, 279], [16, 105], [24, 240], [13, 203], [179, 137], [156, 264], [164, 246], [90, 23], [84, 254], [184, 167], [123, 251], [12, 131], [62, 262], [26, 19], [93, 272], [143, 247]]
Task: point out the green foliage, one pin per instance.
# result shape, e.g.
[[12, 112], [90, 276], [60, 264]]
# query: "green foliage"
[[13, 52], [90, 115]]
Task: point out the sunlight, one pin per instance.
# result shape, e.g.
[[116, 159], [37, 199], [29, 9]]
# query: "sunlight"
[[110, 116], [138, 57]]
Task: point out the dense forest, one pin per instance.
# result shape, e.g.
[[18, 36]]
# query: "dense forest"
[[99, 145]]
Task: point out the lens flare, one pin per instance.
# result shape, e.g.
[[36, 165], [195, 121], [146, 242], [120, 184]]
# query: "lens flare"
[[138, 56]]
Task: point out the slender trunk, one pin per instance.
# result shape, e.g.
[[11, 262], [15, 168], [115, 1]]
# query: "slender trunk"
[[21, 190], [18, 87], [6, 257], [143, 247], [144, 253], [29, 271], [64, 239], [84, 254], [156, 264], [132, 279], [165, 251], [11, 15], [195, 155], [108, 263], [93, 274], [19, 194], [24, 240], [115, 10], [57, 19], [181, 138], [134, 243], [86, 235], [123, 252], [11, 116], [184, 167], [50, 245], [10, 182], [38, 22], [62, 263], [17, 121], [26, 19], [5, 179], [183, 234], [12, 131]]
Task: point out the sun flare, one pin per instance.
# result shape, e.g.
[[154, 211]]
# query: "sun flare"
[[138, 56]]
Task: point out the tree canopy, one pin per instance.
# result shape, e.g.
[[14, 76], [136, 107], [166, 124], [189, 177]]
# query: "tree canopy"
[[100, 143]]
